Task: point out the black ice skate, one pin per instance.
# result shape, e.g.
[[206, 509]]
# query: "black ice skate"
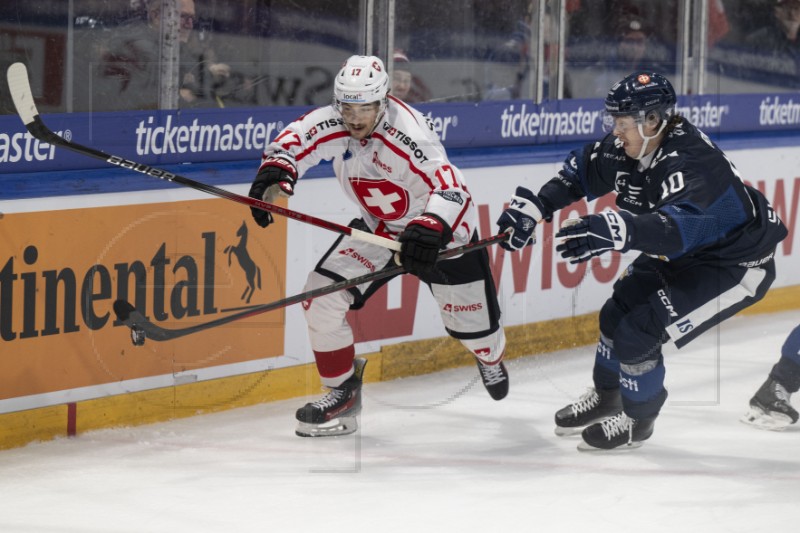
[[770, 407], [335, 413], [495, 379], [592, 407], [619, 431]]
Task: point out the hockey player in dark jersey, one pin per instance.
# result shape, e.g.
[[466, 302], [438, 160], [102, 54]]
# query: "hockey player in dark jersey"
[[707, 243], [770, 407]]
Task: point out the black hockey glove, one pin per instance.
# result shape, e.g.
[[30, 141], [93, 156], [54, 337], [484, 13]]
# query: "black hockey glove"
[[519, 219], [592, 235], [421, 241], [276, 178]]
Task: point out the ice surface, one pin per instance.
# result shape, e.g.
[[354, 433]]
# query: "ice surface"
[[435, 453]]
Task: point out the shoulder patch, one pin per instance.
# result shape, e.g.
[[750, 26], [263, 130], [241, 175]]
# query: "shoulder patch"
[[451, 196]]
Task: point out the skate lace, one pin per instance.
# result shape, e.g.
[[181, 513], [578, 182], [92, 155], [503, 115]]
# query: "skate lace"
[[586, 402], [492, 375], [333, 397], [616, 425]]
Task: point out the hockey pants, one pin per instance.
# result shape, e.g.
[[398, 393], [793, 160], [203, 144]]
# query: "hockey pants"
[[655, 302], [463, 288]]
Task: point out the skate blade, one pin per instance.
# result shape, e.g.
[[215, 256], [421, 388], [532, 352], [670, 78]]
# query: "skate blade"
[[761, 419], [568, 432], [334, 428], [583, 446]]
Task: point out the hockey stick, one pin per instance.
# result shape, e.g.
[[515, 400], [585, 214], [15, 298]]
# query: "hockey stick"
[[142, 328], [20, 89]]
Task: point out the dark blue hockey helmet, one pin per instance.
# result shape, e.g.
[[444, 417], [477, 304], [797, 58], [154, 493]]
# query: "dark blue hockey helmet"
[[640, 94]]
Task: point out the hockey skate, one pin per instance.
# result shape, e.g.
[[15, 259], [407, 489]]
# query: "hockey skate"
[[335, 413], [619, 431], [495, 379], [770, 408], [592, 407]]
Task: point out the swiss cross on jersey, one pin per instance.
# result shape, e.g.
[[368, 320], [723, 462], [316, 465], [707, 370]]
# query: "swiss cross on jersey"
[[381, 198]]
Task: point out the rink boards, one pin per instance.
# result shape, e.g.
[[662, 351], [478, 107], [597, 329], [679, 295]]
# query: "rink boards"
[[185, 258]]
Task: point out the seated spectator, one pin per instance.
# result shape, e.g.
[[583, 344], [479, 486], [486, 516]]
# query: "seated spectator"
[[635, 47], [781, 33], [777, 42], [765, 58], [405, 85], [132, 59]]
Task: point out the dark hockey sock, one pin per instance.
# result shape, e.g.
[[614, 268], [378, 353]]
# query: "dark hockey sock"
[[787, 373], [606, 365], [787, 370], [642, 388]]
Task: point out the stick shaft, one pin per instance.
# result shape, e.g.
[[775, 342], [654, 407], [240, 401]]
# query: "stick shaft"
[[134, 319]]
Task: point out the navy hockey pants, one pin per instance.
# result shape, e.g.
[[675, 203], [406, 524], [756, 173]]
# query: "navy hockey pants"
[[654, 302]]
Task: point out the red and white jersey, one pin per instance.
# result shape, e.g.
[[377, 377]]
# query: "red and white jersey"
[[400, 171]]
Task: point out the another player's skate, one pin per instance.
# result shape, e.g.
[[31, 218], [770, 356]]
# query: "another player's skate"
[[495, 379], [592, 407], [770, 407], [617, 432], [335, 413]]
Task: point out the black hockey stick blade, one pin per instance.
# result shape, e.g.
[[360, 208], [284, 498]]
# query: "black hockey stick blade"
[[20, 89], [142, 328]]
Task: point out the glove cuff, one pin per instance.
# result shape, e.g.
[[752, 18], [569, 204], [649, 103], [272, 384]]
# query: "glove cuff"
[[281, 163], [434, 222], [630, 230], [528, 204], [620, 228]]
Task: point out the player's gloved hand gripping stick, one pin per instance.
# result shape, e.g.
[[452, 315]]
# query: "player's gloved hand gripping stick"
[[20, 89]]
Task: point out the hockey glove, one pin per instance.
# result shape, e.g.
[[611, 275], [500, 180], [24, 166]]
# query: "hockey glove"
[[519, 219], [276, 178], [590, 236], [421, 241]]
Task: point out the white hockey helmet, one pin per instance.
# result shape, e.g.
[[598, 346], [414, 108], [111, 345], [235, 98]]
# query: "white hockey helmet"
[[362, 80]]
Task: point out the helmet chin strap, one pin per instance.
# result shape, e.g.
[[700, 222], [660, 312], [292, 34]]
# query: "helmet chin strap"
[[377, 121], [643, 150]]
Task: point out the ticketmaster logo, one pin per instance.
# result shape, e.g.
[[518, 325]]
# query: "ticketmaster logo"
[[776, 113], [530, 124], [196, 137], [704, 116], [16, 147]]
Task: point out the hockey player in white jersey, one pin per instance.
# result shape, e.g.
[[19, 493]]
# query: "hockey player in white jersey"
[[389, 163]]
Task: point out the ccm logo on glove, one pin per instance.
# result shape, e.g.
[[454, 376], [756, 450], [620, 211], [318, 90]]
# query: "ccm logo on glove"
[[593, 235]]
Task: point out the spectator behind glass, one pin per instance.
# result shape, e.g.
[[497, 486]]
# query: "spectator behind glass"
[[132, 63], [634, 47], [405, 85], [777, 41]]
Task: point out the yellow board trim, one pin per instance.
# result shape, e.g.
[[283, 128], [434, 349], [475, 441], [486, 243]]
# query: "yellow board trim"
[[392, 362]]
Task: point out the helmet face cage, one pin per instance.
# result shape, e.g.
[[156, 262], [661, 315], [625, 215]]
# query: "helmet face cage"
[[362, 80], [646, 96]]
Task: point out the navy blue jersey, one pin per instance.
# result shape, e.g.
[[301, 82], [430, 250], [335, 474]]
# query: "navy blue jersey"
[[690, 203]]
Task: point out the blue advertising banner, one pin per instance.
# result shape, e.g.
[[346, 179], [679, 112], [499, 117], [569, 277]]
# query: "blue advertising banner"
[[165, 138]]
